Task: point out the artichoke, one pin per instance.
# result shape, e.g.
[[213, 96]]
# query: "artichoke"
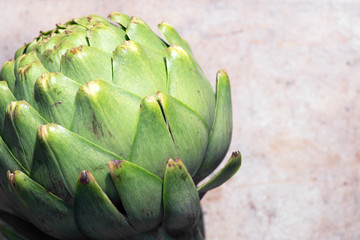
[[107, 131]]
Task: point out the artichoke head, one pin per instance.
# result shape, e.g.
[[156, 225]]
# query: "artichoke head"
[[107, 131]]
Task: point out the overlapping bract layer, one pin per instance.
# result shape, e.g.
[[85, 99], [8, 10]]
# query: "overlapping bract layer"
[[91, 116]]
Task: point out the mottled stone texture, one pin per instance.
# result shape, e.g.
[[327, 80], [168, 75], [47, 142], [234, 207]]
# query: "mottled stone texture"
[[295, 74]]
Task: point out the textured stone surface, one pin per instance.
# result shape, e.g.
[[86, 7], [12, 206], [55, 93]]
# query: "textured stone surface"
[[295, 74]]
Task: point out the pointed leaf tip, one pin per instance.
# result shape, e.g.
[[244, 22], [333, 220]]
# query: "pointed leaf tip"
[[42, 131], [231, 167], [222, 71], [91, 88], [115, 164], [170, 161], [120, 18], [173, 163], [11, 177], [14, 108], [235, 154], [176, 51], [173, 37], [46, 129], [129, 45], [84, 177]]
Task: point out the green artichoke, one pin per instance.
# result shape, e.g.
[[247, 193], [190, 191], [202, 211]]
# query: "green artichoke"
[[94, 120]]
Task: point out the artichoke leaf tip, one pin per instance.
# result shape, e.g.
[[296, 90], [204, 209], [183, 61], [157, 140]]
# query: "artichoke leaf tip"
[[84, 177]]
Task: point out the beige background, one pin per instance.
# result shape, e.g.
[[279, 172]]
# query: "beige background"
[[295, 74]]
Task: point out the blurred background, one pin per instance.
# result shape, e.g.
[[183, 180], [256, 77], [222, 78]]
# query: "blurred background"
[[295, 73]]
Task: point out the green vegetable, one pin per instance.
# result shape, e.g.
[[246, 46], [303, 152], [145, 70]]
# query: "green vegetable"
[[106, 131]]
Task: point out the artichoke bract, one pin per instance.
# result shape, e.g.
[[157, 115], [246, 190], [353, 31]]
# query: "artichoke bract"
[[107, 131]]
